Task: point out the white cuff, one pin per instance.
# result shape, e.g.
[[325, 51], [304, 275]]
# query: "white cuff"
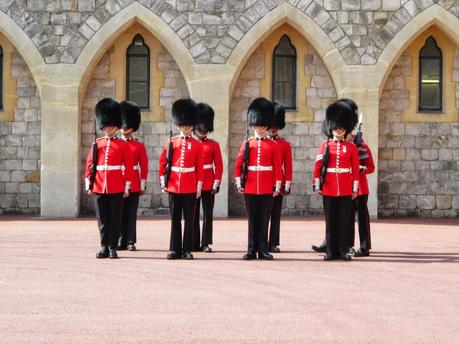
[[278, 185], [199, 186], [127, 186], [319, 157], [143, 184], [355, 187], [238, 182], [316, 184], [162, 182], [86, 183], [287, 185], [216, 184]]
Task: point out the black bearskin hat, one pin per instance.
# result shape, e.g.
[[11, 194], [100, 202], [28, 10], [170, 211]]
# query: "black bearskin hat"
[[354, 108], [130, 115], [339, 115], [205, 118], [260, 112], [279, 115], [108, 113], [184, 112]]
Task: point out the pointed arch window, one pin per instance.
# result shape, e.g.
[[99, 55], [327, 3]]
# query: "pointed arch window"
[[284, 73], [138, 72], [430, 77], [1, 78]]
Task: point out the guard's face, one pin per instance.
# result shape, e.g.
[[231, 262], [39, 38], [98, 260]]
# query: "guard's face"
[[339, 132], [201, 133], [259, 130], [350, 137], [126, 131], [110, 131], [273, 131], [186, 129]]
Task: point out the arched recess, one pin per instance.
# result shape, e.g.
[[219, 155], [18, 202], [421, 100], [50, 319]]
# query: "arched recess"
[[20, 121], [315, 90], [417, 168], [110, 31], [108, 79], [305, 25], [434, 15]]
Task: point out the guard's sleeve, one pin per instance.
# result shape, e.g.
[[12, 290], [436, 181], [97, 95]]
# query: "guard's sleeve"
[[162, 166], [218, 164], [238, 165], [367, 162], [128, 166], [288, 169], [199, 165], [317, 167], [143, 161], [88, 168], [355, 162], [277, 167]]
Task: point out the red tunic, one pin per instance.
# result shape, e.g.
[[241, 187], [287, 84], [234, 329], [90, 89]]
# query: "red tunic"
[[114, 166], [286, 157], [140, 165], [212, 164], [367, 166], [342, 177], [265, 167], [187, 167]]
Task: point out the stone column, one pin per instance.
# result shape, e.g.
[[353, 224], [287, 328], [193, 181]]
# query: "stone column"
[[211, 84], [60, 141], [368, 101]]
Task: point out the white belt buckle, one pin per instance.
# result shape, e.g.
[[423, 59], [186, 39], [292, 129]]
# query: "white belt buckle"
[[258, 168]]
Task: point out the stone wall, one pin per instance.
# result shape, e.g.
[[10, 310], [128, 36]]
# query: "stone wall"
[[211, 29], [304, 138], [153, 134], [20, 147], [418, 162]]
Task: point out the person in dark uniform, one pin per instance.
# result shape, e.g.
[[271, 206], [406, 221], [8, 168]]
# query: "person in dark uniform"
[[184, 183], [286, 158], [130, 122], [263, 176], [341, 181], [213, 170], [112, 177]]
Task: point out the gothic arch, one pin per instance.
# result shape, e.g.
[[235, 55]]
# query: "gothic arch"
[[301, 22]]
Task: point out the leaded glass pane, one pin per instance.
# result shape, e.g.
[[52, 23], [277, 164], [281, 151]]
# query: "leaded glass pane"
[[138, 68], [138, 92], [430, 99]]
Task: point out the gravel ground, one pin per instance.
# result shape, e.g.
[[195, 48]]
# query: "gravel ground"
[[54, 290]]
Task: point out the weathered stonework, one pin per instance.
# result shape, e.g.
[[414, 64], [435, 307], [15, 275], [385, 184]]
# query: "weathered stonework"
[[210, 29], [304, 138], [153, 134], [20, 147], [418, 162]]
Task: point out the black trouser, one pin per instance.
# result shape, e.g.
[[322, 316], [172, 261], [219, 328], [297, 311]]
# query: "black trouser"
[[258, 209], [108, 213], [360, 205], [128, 233], [337, 212], [274, 231], [208, 201], [178, 204]]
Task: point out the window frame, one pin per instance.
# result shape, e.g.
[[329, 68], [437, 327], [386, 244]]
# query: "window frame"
[[420, 83], [148, 79], [293, 83]]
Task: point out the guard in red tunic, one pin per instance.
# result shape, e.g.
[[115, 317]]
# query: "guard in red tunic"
[[286, 157], [130, 118], [336, 177], [213, 170], [181, 176], [108, 178], [258, 175], [367, 166]]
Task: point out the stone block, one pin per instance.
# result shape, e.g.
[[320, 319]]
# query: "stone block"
[[444, 202], [8, 201], [204, 5], [390, 5], [11, 187], [333, 5], [29, 165], [455, 202], [425, 202], [35, 5], [429, 154], [18, 176], [86, 5], [371, 5]]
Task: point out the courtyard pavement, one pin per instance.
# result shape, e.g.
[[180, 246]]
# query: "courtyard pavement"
[[54, 290]]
